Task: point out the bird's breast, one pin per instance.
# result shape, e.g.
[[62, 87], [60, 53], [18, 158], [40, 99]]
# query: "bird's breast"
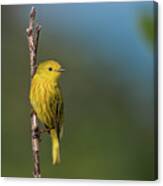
[[42, 91]]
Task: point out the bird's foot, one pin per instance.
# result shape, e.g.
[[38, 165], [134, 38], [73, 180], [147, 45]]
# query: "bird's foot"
[[44, 130]]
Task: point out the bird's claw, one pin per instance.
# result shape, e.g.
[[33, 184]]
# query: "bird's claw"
[[44, 130]]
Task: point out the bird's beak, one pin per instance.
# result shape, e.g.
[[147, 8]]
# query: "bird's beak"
[[61, 70]]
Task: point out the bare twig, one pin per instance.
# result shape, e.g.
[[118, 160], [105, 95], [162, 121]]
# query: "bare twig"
[[33, 37]]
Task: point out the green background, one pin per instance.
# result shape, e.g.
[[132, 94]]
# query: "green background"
[[108, 88]]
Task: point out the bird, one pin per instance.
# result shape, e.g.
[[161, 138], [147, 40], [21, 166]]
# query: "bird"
[[47, 102]]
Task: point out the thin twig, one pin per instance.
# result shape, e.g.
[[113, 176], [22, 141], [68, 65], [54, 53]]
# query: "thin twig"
[[33, 37]]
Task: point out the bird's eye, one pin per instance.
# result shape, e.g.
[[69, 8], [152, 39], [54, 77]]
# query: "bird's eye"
[[50, 69]]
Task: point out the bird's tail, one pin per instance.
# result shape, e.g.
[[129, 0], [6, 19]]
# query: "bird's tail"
[[55, 147]]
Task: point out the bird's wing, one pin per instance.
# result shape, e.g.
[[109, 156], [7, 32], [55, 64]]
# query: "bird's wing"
[[57, 110]]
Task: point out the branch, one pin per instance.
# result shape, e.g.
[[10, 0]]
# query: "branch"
[[33, 37]]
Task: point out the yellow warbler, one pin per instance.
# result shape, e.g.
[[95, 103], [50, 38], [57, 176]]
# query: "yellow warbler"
[[47, 102]]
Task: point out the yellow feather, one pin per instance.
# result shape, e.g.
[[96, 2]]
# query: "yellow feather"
[[55, 147], [46, 100]]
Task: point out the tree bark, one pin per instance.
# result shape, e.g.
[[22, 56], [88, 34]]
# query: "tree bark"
[[33, 31]]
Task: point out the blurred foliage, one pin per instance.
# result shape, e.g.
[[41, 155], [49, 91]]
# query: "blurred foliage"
[[147, 28], [108, 90]]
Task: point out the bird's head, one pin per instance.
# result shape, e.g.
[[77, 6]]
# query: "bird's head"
[[50, 70]]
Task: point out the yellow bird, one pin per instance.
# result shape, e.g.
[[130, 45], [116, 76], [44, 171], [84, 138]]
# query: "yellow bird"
[[47, 102]]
